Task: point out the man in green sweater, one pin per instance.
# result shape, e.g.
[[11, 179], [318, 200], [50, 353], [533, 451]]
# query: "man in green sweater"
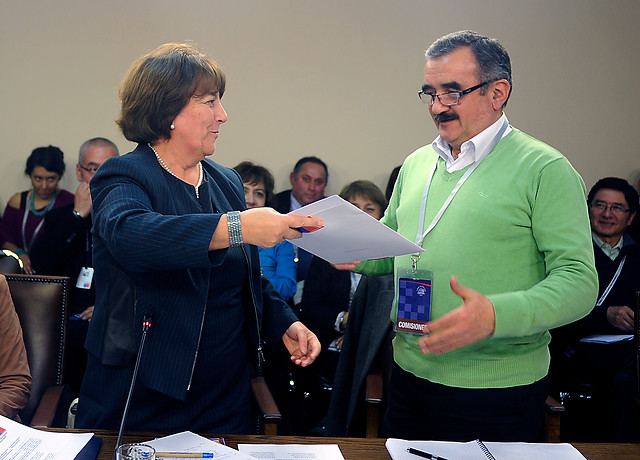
[[508, 256]]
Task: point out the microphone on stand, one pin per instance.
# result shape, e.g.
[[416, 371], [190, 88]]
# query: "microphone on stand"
[[146, 324]]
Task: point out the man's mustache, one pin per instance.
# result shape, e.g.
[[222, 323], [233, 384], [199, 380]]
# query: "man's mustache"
[[444, 116]]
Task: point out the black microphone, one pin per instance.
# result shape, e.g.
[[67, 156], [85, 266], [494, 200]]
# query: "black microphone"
[[146, 324]]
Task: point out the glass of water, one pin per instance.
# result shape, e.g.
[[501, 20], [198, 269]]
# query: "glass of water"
[[135, 452]]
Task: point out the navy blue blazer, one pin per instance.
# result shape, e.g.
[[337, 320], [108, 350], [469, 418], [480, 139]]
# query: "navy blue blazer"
[[151, 256]]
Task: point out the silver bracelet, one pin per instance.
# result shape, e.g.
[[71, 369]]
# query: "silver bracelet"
[[235, 230]]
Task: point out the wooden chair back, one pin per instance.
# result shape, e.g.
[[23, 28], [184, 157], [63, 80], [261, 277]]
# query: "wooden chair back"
[[41, 305]]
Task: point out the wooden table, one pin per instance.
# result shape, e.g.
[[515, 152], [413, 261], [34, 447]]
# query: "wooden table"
[[354, 448]]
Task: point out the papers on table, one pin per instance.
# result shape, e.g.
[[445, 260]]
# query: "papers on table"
[[193, 443], [349, 234], [607, 338], [473, 450], [293, 451], [25, 443]]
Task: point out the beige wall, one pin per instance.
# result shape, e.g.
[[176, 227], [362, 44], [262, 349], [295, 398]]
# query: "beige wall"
[[333, 78]]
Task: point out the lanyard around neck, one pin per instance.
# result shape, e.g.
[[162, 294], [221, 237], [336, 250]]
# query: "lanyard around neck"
[[420, 236], [613, 281], [35, 233]]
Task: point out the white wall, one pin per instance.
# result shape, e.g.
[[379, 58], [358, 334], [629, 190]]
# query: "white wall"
[[333, 78]]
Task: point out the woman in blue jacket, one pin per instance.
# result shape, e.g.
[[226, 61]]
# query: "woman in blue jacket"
[[174, 245]]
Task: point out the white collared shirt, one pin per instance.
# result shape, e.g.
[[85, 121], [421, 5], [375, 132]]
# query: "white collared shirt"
[[473, 150], [294, 203]]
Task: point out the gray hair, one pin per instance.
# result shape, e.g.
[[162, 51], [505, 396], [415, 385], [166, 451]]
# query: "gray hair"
[[493, 60]]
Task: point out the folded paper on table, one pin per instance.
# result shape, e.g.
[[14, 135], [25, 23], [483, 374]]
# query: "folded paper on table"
[[349, 234], [189, 442], [477, 450]]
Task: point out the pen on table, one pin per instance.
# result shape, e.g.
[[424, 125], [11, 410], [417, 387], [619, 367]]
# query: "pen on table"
[[184, 454], [419, 453]]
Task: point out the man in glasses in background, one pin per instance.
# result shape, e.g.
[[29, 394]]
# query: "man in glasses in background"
[[607, 368], [65, 249], [504, 225]]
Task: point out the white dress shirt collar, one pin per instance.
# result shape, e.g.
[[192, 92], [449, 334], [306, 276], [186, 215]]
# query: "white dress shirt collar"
[[294, 203], [472, 150]]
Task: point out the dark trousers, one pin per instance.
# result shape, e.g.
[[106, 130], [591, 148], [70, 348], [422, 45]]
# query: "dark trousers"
[[420, 409]]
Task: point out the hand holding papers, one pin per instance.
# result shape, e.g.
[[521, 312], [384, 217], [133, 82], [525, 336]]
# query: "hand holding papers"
[[349, 234]]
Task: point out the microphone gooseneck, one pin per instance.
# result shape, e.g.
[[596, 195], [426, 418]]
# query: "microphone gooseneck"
[[146, 325]]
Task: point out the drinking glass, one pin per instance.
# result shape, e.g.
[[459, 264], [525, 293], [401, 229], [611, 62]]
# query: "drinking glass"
[[135, 452]]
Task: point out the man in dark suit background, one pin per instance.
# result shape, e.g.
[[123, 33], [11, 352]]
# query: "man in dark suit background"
[[605, 371], [308, 181]]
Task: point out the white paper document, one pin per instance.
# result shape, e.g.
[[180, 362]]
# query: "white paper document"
[[607, 338], [349, 234], [193, 443], [18, 441], [293, 451], [475, 450]]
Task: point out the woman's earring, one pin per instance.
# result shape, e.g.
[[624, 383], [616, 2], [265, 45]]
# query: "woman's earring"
[[172, 126]]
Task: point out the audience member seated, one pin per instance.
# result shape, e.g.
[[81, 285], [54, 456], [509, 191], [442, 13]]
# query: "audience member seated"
[[23, 219], [276, 262], [328, 293], [64, 248], [606, 368], [308, 181], [15, 377]]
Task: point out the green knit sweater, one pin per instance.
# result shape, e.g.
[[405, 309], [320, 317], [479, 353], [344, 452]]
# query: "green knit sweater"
[[517, 232]]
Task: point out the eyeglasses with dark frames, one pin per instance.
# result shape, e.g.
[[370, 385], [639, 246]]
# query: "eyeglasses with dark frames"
[[602, 206], [450, 97]]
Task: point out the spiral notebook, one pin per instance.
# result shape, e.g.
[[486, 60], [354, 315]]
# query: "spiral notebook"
[[478, 450]]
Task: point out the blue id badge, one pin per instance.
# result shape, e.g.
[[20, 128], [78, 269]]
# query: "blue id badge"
[[414, 300]]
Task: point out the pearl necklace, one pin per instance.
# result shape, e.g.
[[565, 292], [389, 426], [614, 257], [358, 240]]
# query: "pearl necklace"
[[166, 168]]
